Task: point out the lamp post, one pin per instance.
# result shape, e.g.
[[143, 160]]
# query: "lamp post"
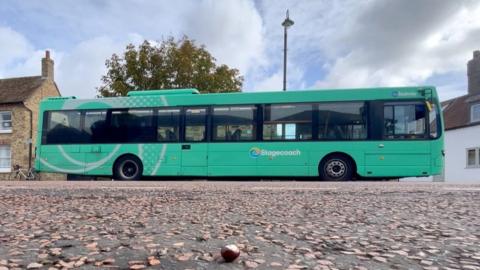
[[286, 23]]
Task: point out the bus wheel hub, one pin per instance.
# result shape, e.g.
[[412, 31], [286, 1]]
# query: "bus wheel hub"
[[335, 168], [129, 169]]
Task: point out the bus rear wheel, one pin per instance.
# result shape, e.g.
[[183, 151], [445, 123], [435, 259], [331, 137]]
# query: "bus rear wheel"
[[128, 168], [336, 168]]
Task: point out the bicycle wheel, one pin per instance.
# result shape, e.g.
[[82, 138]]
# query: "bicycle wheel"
[[32, 175]]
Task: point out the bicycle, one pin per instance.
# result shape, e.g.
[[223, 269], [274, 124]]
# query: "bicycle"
[[23, 174]]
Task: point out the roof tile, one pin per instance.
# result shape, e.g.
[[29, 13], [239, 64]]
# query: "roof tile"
[[456, 113], [15, 90]]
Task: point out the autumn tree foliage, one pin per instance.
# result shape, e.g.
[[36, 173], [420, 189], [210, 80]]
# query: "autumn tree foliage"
[[170, 64]]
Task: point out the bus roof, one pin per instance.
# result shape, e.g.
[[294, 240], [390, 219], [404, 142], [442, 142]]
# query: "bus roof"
[[165, 92], [191, 97]]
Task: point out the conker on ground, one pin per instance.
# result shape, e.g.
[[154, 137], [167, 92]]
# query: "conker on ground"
[[230, 253]]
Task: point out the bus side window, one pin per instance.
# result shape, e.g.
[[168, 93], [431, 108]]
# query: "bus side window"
[[405, 121], [63, 127], [287, 122], [132, 125], [235, 123], [168, 125], [342, 121], [96, 126], [434, 121], [195, 122]]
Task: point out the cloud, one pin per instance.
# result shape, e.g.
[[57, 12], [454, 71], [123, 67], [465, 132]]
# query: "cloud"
[[274, 82], [77, 71], [402, 43], [91, 32], [451, 90], [80, 70], [13, 46], [232, 31]]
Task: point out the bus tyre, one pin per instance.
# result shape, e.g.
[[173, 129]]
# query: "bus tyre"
[[336, 168], [128, 168]]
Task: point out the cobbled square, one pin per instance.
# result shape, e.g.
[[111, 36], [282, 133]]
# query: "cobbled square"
[[276, 225]]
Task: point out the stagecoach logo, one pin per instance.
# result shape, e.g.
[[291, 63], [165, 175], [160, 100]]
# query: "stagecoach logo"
[[256, 152]]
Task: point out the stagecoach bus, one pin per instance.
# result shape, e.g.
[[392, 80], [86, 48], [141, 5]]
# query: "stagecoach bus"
[[326, 134]]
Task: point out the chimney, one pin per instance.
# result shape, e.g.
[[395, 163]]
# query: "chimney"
[[47, 66], [473, 73]]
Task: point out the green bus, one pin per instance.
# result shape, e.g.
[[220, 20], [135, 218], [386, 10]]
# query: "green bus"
[[332, 135]]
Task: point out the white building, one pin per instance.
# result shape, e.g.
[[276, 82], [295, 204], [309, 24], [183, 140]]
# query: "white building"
[[462, 130]]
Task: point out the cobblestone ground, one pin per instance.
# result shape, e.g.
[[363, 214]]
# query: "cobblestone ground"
[[277, 225]]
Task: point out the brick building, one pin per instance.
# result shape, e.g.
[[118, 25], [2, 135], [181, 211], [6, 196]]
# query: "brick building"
[[19, 101]]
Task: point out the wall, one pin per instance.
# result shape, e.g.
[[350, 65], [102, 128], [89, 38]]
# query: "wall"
[[19, 136], [456, 143], [21, 128]]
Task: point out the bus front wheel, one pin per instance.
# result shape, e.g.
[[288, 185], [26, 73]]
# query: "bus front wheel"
[[336, 167], [128, 168]]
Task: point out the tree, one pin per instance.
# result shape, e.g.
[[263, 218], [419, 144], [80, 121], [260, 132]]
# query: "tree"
[[169, 65]]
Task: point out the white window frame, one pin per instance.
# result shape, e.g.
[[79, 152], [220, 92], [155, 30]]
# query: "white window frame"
[[472, 109], [9, 169], [1, 121], [477, 158]]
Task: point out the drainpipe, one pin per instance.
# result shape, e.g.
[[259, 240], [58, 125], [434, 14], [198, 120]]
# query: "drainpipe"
[[30, 141]]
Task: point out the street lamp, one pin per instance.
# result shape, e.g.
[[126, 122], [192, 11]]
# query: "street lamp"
[[286, 23]]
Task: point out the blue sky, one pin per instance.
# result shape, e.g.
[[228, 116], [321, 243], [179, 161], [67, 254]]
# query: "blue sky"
[[333, 44]]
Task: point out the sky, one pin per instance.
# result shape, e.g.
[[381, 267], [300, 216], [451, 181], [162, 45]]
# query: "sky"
[[333, 44]]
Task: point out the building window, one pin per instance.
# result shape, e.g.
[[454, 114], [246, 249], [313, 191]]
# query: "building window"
[[5, 158], [473, 157], [5, 122], [475, 113]]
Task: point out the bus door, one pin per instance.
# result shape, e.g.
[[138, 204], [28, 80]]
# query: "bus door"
[[194, 146], [96, 130], [167, 152], [401, 145]]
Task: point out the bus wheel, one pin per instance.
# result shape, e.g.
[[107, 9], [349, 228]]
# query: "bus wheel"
[[128, 168], [336, 168]]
